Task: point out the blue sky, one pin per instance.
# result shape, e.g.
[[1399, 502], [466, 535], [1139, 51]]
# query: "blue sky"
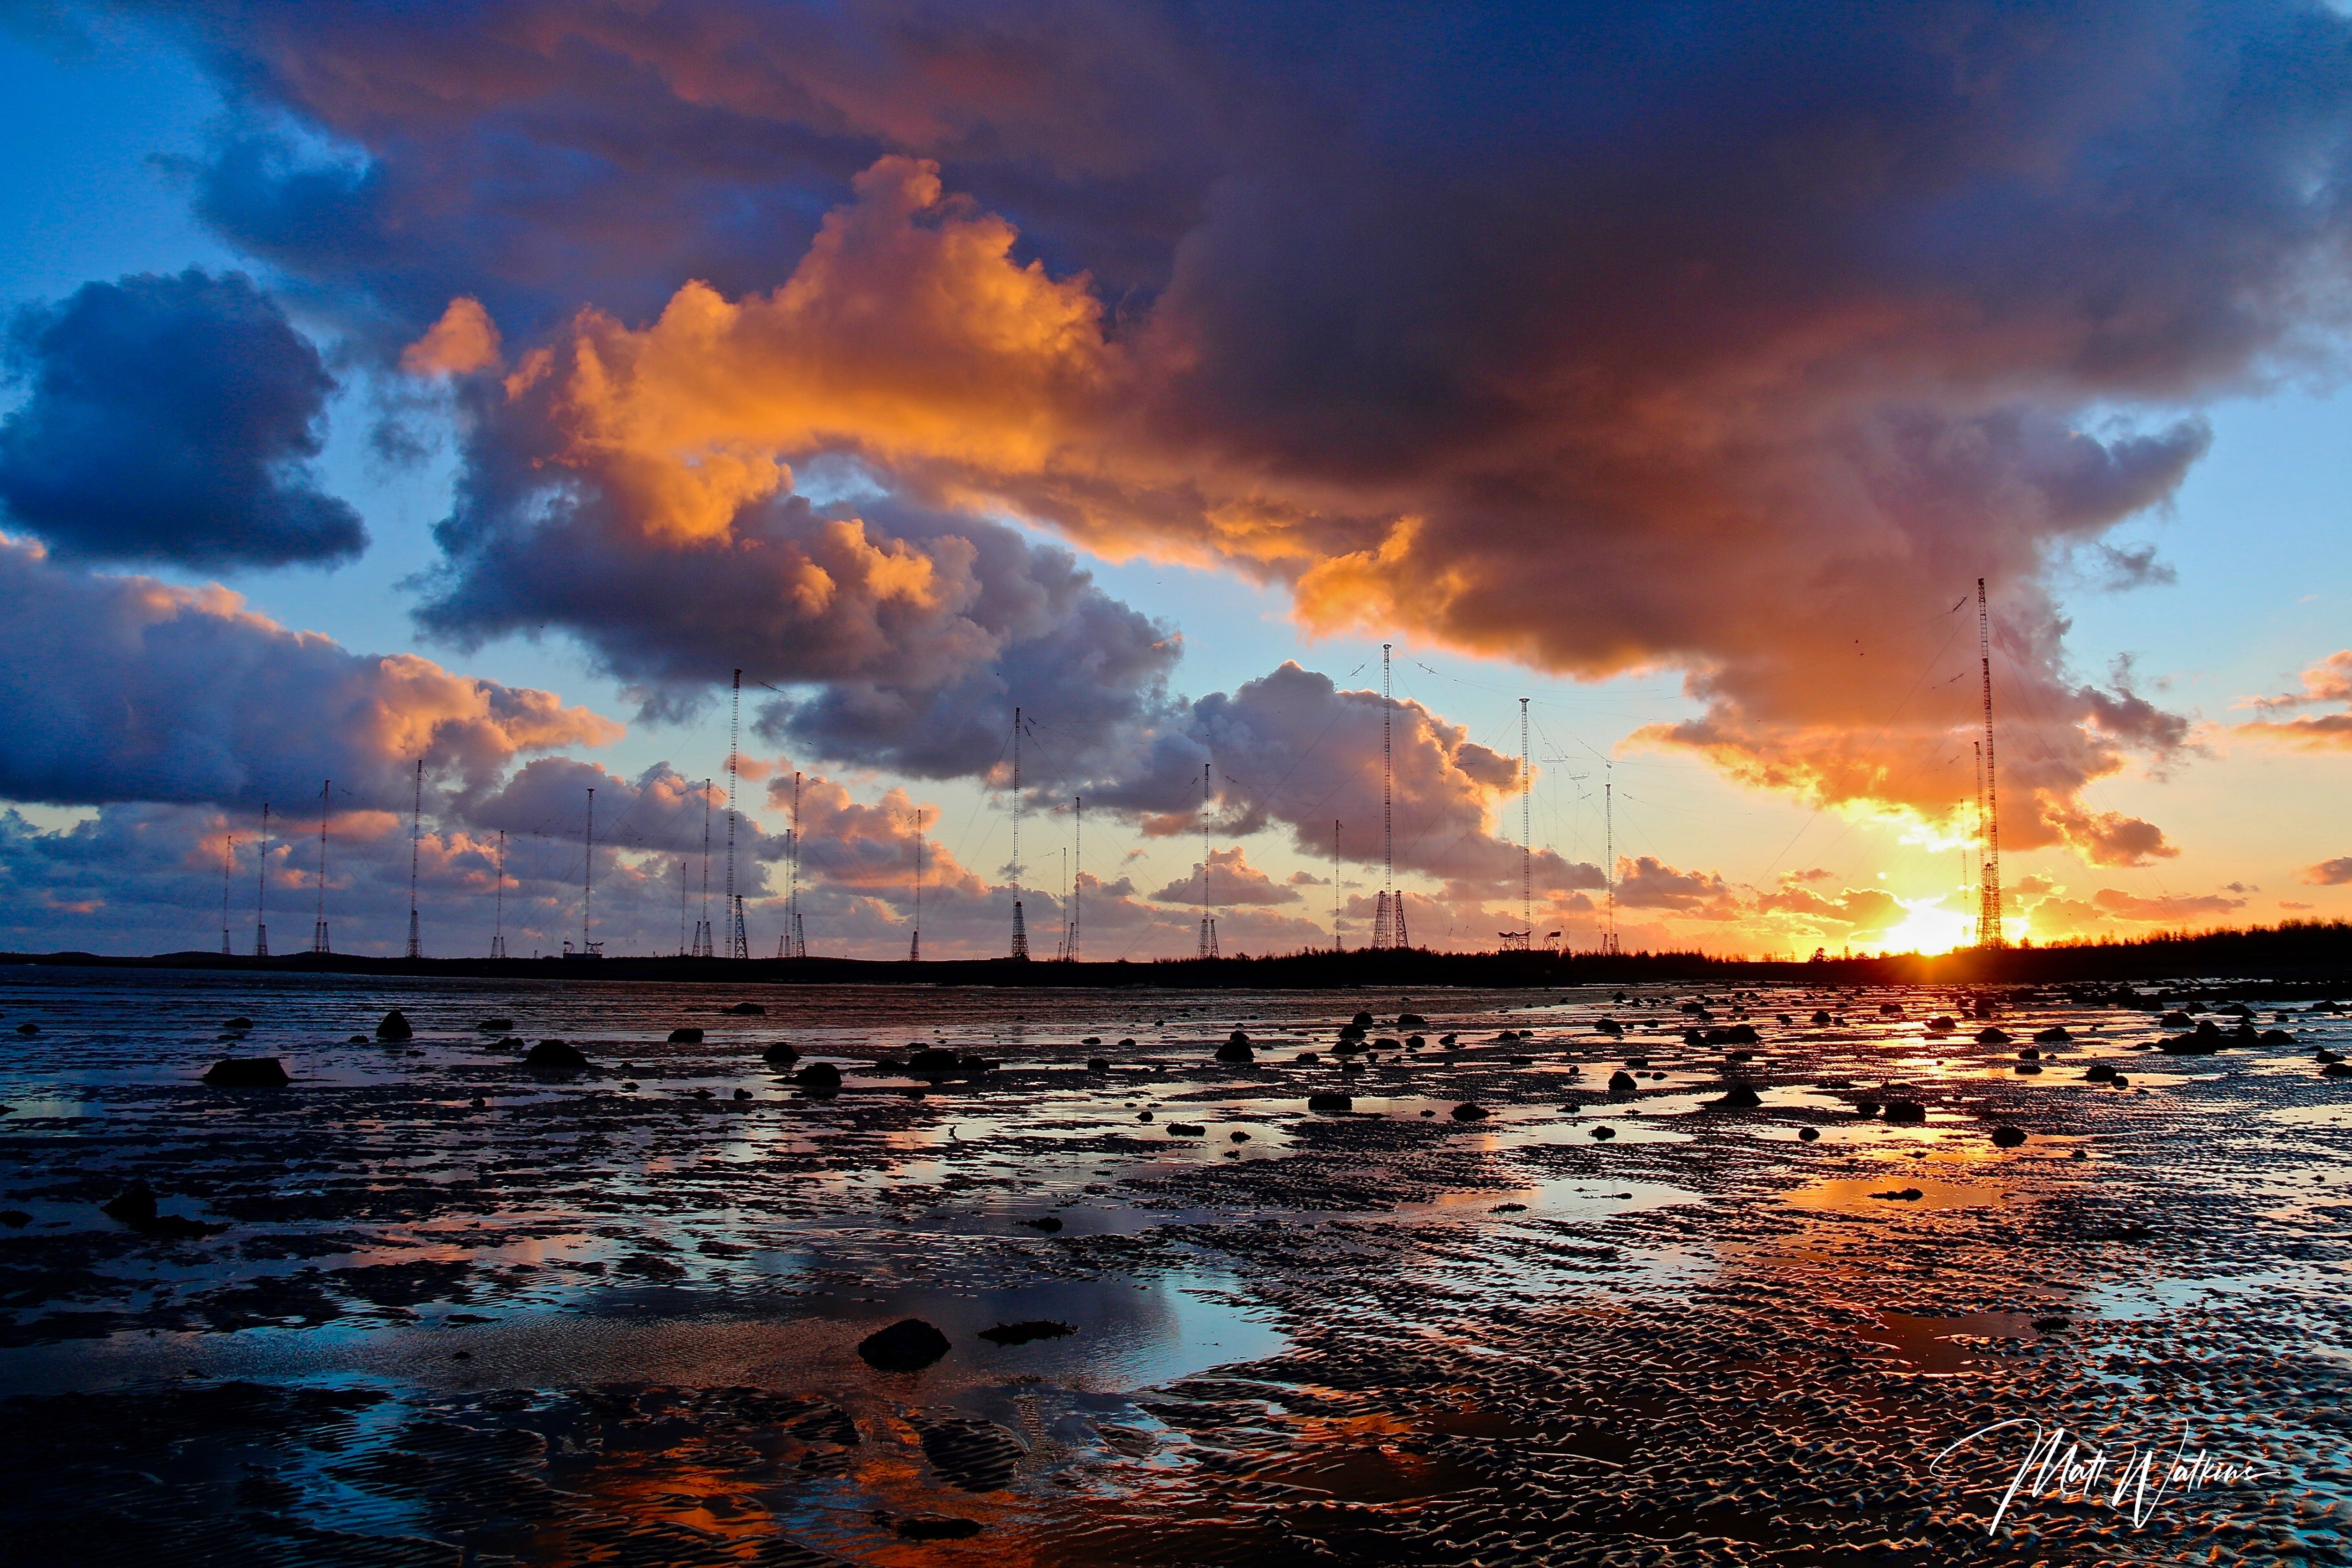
[[97, 185]]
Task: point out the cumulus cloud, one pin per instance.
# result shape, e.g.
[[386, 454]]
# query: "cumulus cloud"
[[1232, 880], [1291, 748], [171, 419], [1830, 320], [127, 688], [2335, 873]]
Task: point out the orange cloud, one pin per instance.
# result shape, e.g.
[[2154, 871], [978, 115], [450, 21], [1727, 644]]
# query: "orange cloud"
[[463, 340]]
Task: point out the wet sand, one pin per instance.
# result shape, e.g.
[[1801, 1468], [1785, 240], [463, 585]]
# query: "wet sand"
[[614, 1317]]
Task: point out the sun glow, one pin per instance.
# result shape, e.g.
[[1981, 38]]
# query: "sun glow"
[[1926, 927]]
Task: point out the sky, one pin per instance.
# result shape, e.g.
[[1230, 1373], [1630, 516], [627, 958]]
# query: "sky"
[[482, 386]]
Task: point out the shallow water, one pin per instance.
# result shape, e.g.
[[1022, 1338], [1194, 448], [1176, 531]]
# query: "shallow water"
[[614, 1317]]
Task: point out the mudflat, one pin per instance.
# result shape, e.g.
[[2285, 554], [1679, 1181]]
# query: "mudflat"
[[644, 1297]]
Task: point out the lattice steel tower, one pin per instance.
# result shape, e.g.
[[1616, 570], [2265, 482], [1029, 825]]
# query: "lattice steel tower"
[[1991, 932]]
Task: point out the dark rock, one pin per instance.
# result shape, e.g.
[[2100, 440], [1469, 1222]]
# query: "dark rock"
[[1412, 1021], [495, 1026], [2333, 1069], [2324, 1054], [1810, 1133], [2055, 1035], [2029, 1069], [393, 1026], [1906, 1112], [1521, 1061], [1819, 1019], [357, 1040], [1415, 1042], [1865, 1108], [554, 1055], [1146, 1116], [1741, 1098], [1637, 1061], [933, 1059], [1388, 1043], [1330, 1102], [2191, 1045], [1509, 1208], [2119, 1080], [2052, 1325], [1048, 1223], [1605, 1132], [1097, 1064], [1740, 1057], [1890, 1009], [2029, 1055], [686, 1037], [935, 1527], [2176, 1020], [1992, 1038], [2277, 1037], [1610, 1026], [1939, 1025], [910, 1344], [1621, 1083], [1362, 1020], [247, 1072], [1471, 1113], [1238, 1136], [1236, 1050], [779, 1052], [135, 1207], [15, 1219], [1900, 1195], [1187, 1130], [1022, 1333], [824, 1078], [2101, 1072], [1091, 1040], [743, 1094], [511, 1043], [752, 1010], [28, 1029], [2008, 1137], [1349, 1048], [1127, 1045], [239, 1022]]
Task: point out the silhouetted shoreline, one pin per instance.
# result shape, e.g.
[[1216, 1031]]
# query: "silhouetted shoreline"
[[2298, 951]]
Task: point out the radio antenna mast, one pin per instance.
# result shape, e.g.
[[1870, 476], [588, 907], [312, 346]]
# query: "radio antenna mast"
[[738, 945], [228, 867], [915, 938], [588, 879], [1384, 912], [1078, 865], [795, 944], [703, 933], [1526, 832], [1991, 930], [319, 932], [1019, 927], [499, 903], [261, 891], [415, 836], [1609, 831], [1208, 945]]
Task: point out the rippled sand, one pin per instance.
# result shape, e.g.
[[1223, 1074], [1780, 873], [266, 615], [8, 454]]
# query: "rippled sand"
[[587, 1321]]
